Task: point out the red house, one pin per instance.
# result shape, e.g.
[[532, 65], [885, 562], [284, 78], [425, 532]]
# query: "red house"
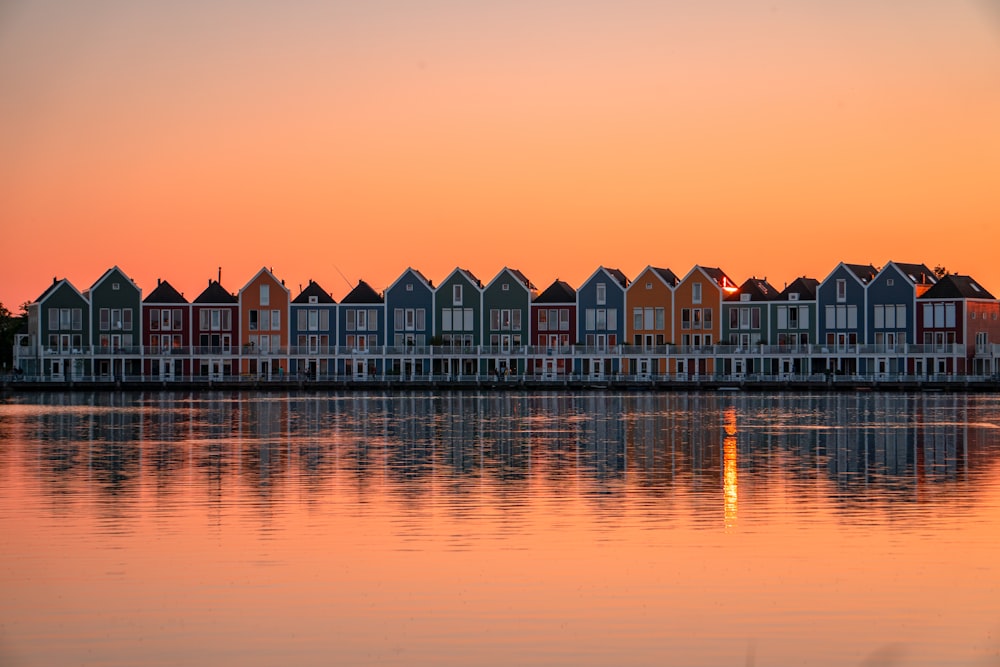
[[166, 333], [215, 342], [957, 322], [553, 329]]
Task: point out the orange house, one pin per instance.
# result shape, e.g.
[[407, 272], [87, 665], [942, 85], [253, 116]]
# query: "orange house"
[[649, 306], [264, 313], [698, 318]]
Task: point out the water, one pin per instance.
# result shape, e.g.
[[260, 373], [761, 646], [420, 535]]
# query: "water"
[[500, 529]]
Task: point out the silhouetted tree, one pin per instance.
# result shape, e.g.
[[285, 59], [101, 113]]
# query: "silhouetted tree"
[[941, 271], [9, 324]]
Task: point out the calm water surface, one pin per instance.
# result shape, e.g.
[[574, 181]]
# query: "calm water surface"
[[500, 529]]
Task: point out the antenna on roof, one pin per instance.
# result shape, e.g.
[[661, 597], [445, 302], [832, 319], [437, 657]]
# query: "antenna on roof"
[[349, 285]]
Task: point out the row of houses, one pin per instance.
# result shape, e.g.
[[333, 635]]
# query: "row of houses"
[[900, 320]]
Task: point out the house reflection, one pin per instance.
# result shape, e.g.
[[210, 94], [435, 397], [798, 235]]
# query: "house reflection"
[[715, 450]]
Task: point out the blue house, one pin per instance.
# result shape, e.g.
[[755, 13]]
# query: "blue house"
[[313, 331], [841, 299], [891, 313], [362, 331], [409, 308], [458, 308], [59, 333], [115, 325], [600, 307]]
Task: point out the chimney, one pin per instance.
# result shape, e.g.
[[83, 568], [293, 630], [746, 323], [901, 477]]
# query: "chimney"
[[220, 274]]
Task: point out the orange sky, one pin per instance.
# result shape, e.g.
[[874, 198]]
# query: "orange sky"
[[770, 139]]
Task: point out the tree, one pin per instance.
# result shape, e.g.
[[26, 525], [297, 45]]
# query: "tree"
[[9, 325], [941, 271]]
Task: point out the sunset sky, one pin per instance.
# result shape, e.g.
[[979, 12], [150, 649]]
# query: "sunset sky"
[[339, 141]]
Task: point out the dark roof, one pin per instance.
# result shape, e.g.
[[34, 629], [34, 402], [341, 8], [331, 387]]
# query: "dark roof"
[[51, 288], [363, 293], [864, 272], [215, 293], [804, 287], [668, 276], [524, 280], [313, 289], [558, 292], [164, 293], [719, 276], [955, 286], [421, 276], [918, 274], [618, 275], [758, 289], [471, 277]]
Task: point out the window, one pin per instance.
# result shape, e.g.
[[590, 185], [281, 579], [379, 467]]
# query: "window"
[[685, 318], [313, 299], [708, 322], [254, 322], [590, 319], [105, 319], [564, 319], [313, 319], [889, 282], [456, 295], [803, 317], [154, 319], [505, 287], [649, 285], [543, 319], [648, 318], [265, 295], [637, 318], [696, 293], [660, 318], [115, 287], [602, 294], [793, 296], [275, 320], [696, 318], [755, 317], [793, 317], [841, 289], [409, 287], [77, 319], [165, 319], [783, 313]]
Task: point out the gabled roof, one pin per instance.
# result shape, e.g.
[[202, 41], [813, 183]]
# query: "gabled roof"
[[215, 293], [955, 286], [863, 272], [313, 289], [918, 274], [668, 276], [363, 293], [106, 274], [716, 275], [465, 273], [416, 273], [268, 271], [518, 276], [758, 289], [56, 284], [558, 292], [804, 287], [614, 274], [164, 293]]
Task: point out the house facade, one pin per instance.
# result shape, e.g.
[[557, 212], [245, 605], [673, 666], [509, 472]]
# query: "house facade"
[[600, 305], [458, 303], [794, 319], [553, 330], [841, 299], [890, 312], [697, 319], [60, 334], [116, 325], [264, 307], [313, 323], [958, 322], [362, 331], [409, 308], [166, 333], [506, 322], [215, 335], [649, 304], [747, 326]]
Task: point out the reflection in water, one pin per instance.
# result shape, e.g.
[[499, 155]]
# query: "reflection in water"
[[898, 445], [499, 528]]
